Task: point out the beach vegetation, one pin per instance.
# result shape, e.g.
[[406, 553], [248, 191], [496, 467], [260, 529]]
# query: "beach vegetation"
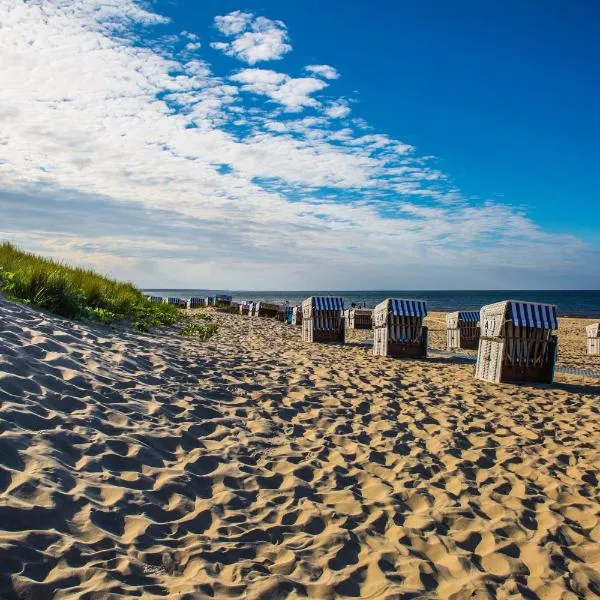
[[201, 327], [77, 293]]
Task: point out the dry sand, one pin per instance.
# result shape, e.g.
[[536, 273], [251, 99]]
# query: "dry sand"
[[256, 466]]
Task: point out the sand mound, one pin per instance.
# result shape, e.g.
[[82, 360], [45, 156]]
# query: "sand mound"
[[255, 466]]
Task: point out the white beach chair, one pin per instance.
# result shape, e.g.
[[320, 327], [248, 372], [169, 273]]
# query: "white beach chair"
[[517, 343]]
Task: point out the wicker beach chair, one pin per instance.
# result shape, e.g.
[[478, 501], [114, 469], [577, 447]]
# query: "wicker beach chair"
[[592, 333], [197, 302], [517, 343], [176, 301], [223, 301], [323, 319], [158, 299], [297, 315], [245, 307], [266, 309], [462, 330], [359, 318], [398, 328]]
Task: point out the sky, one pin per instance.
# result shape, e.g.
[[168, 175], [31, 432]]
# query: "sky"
[[305, 145]]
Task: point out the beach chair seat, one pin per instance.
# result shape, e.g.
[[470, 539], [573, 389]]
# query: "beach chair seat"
[[517, 343], [398, 328], [462, 330]]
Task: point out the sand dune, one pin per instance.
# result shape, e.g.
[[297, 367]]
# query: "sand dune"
[[256, 466]]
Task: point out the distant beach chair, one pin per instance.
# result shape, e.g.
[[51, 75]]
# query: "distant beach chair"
[[266, 309], [246, 307], [285, 313], [211, 301], [175, 301], [398, 328], [297, 315], [158, 299], [196, 302], [323, 319], [223, 301], [517, 343], [359, 318], [593, 338], [288, 314], [462, 330]]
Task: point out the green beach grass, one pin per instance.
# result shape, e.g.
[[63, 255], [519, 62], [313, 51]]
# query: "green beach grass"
[[77, 293]]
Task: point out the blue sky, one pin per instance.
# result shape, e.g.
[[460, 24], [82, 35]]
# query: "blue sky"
[[304, 145]]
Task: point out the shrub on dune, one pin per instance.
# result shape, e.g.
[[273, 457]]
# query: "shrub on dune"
[[75, 292]]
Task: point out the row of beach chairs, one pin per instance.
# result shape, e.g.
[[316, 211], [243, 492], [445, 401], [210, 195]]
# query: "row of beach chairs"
[[515, 340]]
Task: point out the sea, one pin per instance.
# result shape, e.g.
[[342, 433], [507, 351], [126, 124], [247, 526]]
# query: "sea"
[[570, 303]]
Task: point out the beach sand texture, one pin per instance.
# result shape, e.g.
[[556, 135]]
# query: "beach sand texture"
[[256, 466]]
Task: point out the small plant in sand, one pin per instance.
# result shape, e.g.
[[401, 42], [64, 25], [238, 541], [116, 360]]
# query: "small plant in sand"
[[201, 326], [77, 293]]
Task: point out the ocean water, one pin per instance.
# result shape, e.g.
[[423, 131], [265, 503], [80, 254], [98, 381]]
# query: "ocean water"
[[579, 303]]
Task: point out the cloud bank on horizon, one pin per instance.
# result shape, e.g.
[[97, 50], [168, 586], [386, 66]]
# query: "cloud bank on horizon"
[[122, 148]]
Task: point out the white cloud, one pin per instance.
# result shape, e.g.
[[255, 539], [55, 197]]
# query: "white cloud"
[[233, 23], [337, 110], [90, 119], [293, 93], [326, 71], [256, 39]]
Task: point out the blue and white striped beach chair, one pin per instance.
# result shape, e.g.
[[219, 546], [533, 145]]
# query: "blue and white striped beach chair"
[[158, 299], [323, 319], [517, 343], [197, 302], [462, 330], [176, 301], [398, 328]]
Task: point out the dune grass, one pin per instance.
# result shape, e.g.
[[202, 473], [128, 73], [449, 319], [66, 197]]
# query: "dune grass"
[[77, 293]]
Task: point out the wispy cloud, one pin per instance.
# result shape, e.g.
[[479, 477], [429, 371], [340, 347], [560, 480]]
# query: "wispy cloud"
[[145, 162], [325, 71], [293, 93], [256, 39]]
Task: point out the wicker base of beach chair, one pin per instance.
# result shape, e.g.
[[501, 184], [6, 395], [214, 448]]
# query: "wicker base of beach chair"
[[456, 339], [383, 346], [310, 334], [492, 364]]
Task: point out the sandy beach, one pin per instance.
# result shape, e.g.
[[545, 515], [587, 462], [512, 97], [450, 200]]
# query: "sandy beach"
[[254, 465]]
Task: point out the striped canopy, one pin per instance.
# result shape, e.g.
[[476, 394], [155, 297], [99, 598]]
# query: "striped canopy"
[[327, 303], [408, 308], [155, 298], [197, 300], [469, 316], [532, 314], [175, 300]]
